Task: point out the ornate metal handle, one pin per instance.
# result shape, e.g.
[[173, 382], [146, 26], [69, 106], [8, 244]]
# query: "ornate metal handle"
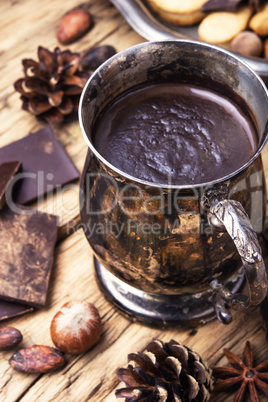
[[231, 216]]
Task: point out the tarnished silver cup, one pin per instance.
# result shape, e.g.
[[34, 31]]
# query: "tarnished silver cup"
[[169, 254]]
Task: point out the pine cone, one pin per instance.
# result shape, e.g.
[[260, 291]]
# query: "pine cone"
[[52, 85], [165, 372]]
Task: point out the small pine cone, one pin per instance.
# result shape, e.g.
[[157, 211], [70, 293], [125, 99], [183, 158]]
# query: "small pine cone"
[[165, 372], [52, 85]]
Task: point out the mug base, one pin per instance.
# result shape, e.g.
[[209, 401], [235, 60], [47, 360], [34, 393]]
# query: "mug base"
[[160, 310]]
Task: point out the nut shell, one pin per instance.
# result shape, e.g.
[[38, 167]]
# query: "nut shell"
[[247, 43], [266, 48], [9, 337], [73, 26], [76, 327], [37, 359]]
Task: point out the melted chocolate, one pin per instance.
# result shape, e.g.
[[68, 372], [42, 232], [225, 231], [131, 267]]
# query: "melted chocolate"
[[175, 133]]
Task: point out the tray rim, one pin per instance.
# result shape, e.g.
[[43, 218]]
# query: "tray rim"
[[142, 19]]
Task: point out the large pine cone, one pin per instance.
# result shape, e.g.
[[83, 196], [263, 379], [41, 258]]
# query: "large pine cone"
[[165, 372], [52, 85]]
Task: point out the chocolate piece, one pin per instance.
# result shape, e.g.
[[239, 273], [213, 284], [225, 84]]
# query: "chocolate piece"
[[7, 172], [264, 314], [215, 5], [45, 164], [27, 240], [11, 309]]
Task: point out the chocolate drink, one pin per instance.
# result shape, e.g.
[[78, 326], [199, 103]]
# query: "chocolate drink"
[[175, 133]]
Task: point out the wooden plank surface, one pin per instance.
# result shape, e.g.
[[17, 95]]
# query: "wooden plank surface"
[[24, 25]]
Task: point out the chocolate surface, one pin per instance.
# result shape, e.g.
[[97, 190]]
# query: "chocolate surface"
[[10, 309], [45, 165], [175, 133], [7, 172], [27, 240]]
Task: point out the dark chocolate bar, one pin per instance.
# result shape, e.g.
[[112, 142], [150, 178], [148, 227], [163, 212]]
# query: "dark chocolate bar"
[[45, 165], [11, 310], [27, 241], [7, 172], [264, 314], [215, 5]]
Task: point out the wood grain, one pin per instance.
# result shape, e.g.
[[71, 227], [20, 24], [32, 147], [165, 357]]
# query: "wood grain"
[[25, 24]]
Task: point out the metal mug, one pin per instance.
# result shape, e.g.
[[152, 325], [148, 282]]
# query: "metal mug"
[[194, 264]]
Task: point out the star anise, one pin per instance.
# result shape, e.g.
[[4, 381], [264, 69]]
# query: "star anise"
[[243, 374]]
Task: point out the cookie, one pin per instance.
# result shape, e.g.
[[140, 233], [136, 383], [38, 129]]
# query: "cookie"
[[220, 27], [259, 22], [179, 12], [179, 6]]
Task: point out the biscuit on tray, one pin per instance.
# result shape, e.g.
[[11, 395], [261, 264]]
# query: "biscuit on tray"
[[179, 12], [223, 26], [259, 22]]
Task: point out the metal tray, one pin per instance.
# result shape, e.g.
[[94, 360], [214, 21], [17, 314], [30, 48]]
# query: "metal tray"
[[147, 24]]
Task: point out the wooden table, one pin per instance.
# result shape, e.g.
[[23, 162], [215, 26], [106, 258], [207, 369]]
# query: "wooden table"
[[24, 25]]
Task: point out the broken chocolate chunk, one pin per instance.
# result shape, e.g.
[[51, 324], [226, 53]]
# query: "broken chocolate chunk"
[[27, 241], [11, 310], [228, 5], [7, 172], [215, 5], [264, 314], [45, 165]]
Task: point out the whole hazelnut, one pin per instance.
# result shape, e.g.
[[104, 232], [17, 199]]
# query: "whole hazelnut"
[[247, 43], [266, 48], [76, 327]]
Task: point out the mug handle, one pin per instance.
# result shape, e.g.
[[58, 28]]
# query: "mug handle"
[[229, 215]]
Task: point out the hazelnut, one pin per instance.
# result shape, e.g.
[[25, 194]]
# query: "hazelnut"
[[73, 26], [266, 48], [9, 337], [247, 43], [76, 327]]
